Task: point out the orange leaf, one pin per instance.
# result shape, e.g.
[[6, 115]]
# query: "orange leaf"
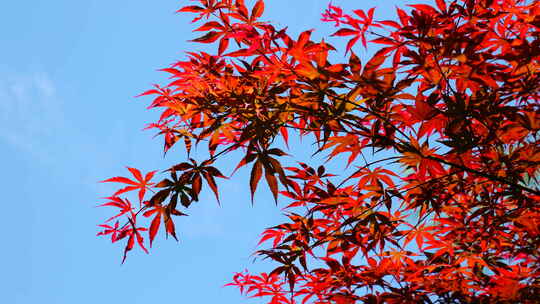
[[154, 227], [258, 10]]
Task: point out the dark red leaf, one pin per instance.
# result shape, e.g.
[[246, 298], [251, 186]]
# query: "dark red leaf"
[[208, 37], [256, 173]]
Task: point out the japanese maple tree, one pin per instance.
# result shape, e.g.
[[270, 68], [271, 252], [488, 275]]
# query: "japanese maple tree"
[[436, 137]]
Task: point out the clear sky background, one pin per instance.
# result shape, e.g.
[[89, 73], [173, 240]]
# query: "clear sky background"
[[69, 71]]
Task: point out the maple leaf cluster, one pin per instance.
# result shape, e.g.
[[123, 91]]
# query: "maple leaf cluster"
[[451, 95]]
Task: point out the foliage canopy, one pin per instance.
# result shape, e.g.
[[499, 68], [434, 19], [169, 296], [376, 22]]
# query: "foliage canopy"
[[450, 95]]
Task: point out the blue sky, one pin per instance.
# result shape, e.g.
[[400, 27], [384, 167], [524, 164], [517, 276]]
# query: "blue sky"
[[68, 118]]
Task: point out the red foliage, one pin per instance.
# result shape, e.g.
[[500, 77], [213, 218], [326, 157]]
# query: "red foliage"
[[451, 95]]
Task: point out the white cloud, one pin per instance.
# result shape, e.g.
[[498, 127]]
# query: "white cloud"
[[29, 111], [44, 84]]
